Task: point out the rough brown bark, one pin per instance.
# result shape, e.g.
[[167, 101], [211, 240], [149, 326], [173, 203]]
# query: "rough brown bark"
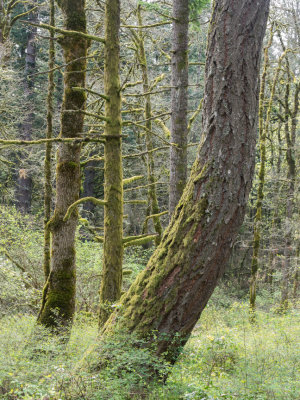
[[170, 294], [178, 154], [59, 292]]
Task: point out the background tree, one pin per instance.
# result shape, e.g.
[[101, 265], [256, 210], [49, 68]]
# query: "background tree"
[[178, 153]]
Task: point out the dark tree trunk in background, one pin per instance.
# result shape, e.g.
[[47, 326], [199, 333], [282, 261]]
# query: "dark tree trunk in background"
[[59, 292], [178, 154], [90, 177], [24, 178], [170, 294]]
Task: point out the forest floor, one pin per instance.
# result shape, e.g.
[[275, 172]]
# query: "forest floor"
[[226, 358]]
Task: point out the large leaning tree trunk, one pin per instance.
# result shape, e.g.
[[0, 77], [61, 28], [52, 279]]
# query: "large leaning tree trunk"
[[170, 294], [111, 283], [178, 153], [59, 292]]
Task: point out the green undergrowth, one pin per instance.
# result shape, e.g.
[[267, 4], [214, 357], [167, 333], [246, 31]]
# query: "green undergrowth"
[[226, 358]]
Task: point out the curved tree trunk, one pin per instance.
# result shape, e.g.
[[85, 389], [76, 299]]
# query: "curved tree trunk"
[[170, 294], [59, 293], [178, 154]]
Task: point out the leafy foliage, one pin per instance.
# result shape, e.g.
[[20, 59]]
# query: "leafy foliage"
[[226, 358]]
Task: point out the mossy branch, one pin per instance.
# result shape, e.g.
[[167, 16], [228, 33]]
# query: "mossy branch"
[[147, 26], [194, 116], [148, 130], [98, 116], [142, 153], [156, 215], [80, 201], [145, 186], [145, 93], [135, 202], [164, 127], [133, 110], [156, 81], [80, 89], [17, 17], [127, 181], [92, 159], [54, 140], [148, 119], [131, 84], [66, 32], [139, 240]]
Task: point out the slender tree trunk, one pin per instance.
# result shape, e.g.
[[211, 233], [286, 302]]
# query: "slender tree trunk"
[[170, 294], [24, 179], [261, 176], [178, 153], [59, 293], [154, 207], [296, 276], [290, 136], [275, 220], [49, 134], [111, 284]]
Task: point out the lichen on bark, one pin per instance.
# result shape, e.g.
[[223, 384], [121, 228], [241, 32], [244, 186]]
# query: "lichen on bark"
[[59, 304]]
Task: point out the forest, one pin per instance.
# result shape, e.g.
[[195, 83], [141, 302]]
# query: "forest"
[[149, 199]]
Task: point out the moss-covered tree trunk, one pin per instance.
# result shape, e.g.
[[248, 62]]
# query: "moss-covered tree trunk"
[[59, 292], [152, 196], [290, 137], [261, 177], [110, 290], [178, 153], [170, 294], [47, 163]]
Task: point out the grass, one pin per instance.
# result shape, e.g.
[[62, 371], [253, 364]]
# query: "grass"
[[226, 358], [231, 359]]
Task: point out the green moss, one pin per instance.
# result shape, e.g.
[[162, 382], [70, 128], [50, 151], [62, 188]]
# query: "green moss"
[[55, 222], [68, 167]]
